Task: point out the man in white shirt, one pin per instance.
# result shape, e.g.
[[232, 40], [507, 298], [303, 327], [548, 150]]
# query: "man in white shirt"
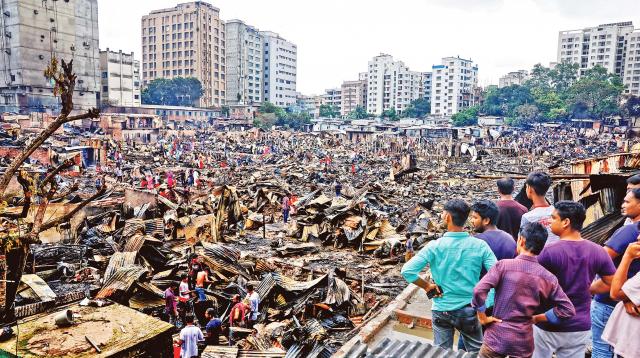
[[189, 338], [537, 185], [254, 303]]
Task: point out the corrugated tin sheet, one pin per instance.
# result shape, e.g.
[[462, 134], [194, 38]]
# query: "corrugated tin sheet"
[[235, 352], [388, 348], [121, 281], [154, 227], [602, 229], [118, 260], [131, 226], [134, 243]]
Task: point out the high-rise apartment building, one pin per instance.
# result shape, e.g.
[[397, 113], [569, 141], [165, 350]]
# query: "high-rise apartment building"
[[120, 79], [333, 97], [390, 84], [513, 78], [603, 45], [186, 41], [631, 76], [244, 63], [453, 84], [34, 31], [354, 94], [280, 69], [427, 78]]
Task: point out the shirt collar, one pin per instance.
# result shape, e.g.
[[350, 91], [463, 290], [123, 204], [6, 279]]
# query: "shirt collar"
[[527, 258], [459, 234]]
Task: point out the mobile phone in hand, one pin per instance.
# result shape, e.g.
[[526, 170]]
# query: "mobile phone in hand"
[[434, 292]]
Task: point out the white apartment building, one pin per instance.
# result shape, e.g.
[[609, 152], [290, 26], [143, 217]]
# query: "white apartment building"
[[453, 84], [120, 79], [279, 69], [32, 32], [631, 77], [310, 104], [513, 78], [390, 84], [244, 63], [333, 97], [603, 45], [354, 94], [187, 40], [427, 82]]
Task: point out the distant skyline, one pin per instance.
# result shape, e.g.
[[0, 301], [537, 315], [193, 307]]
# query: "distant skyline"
[[336, 39]]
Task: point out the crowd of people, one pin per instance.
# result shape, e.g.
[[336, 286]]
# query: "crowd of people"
[[537, 289], [183, 301]]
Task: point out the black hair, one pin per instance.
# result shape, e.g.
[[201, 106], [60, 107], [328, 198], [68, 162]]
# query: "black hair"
[[487, 209], [211, 312], [505, 186], [634, 180], [535, 237], [174, 284], [539, 182], [636, 193], [189, 318], [183, 276], [459, 211], [249, 287], [573, 211]]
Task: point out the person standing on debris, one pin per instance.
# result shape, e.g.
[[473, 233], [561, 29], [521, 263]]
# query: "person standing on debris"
[[338, 188], [170, 304], [509, 331], [511, 211], [201, 280], [456, 260], [575, 262], [484, 214], [213, 328], [603, 305], [286, 206], [254, 304], [538, 183], [622, 329], [189, 338], [237, 314]]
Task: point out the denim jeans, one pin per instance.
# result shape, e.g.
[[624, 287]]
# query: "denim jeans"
[[600, 313], [464, 320], [201, 295], [285, 215]]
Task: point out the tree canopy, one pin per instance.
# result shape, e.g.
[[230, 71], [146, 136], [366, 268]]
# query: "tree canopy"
[[271, 115], [417, 108], [359, 113], [329, 111], [179, 91]]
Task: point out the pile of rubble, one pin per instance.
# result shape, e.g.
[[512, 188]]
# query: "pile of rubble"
[[216, 200]]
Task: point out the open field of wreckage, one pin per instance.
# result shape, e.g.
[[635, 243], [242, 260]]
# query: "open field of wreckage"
[[128, 219]]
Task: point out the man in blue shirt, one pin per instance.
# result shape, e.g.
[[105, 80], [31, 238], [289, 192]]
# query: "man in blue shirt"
[[213, 328], [602, 305], [455, 260]]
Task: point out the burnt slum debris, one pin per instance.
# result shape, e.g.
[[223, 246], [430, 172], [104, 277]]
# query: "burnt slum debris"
[[214, 201]]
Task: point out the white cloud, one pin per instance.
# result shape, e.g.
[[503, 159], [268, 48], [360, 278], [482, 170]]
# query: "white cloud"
[[336, 38]]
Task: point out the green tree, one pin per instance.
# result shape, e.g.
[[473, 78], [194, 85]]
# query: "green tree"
[[596, 94], [358, 113], [631, 107], [503, 101], [417, 108], [390, 114], [225, 111], [179, 91], [329, 111], [466, 117]]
